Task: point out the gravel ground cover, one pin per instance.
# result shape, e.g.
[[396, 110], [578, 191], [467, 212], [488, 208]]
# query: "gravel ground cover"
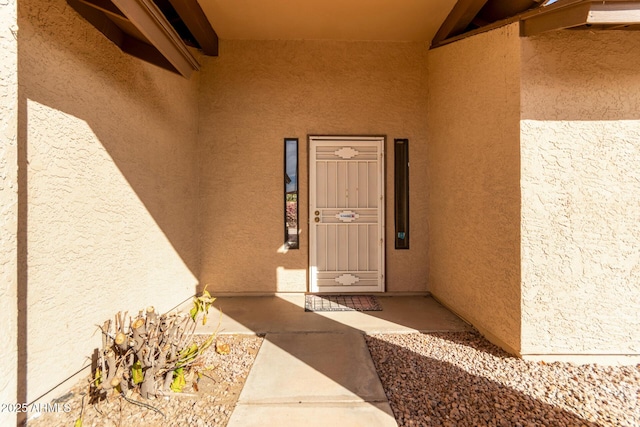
[[460, 379], [211, 405], [436, 379]]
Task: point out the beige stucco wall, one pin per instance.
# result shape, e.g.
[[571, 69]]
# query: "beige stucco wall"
[[473, 172], [112, 207], [254, 95], [8, 207], [581, 193], [139, 182]]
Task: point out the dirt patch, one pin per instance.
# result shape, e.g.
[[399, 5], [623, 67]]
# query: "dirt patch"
[[209, 403]]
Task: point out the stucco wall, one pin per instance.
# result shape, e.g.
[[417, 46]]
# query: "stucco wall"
[[8, 206], [257, 93], [580, 193], [112, 207], [473, 173]]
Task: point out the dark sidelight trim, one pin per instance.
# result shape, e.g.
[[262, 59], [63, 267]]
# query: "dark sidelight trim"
[[401, 192]]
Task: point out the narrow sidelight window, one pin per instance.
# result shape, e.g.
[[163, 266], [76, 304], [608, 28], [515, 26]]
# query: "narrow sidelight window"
[[291, 193], [401, 202]]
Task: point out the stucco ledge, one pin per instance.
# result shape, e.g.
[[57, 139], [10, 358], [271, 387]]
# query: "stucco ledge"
[[584, 359]]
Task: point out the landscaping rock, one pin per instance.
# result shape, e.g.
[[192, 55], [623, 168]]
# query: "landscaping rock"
[[460, 379]]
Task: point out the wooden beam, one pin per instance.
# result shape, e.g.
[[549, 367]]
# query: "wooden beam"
[[567, 14], [196, 21], [459, 18], [146, 52], [471, 33], [557, 19], [130, 45], [574, 13], [625, 27], [105, 6], [614, 13], [150, 21], [99, 20]]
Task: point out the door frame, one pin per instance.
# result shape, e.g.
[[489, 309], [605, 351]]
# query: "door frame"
[[378, 139]]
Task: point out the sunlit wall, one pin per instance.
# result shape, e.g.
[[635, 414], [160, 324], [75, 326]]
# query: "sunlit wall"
[[8, 206], [580, 143], [111, 189]]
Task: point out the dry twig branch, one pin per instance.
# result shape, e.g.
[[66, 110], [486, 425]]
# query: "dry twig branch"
[[149, 354]]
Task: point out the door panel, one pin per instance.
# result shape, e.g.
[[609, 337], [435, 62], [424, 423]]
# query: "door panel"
[[346, 214]]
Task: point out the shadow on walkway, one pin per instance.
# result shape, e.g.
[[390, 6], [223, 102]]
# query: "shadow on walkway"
[[429, 391], [290, 329]]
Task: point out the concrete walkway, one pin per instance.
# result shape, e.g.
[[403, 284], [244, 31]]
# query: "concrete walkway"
[[314, 369]]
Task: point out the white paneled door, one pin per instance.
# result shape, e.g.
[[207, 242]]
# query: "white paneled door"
[[346, 214]]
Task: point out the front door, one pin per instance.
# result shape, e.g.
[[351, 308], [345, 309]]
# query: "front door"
[[346, 214]]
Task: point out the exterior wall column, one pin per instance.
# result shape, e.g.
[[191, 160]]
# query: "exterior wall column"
[[474, 181], [580, 145], [8, 206]]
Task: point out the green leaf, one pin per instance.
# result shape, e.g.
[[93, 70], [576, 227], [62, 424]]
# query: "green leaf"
[[136, 372], [205, 345], [194, 312], [178, 382], [98, 377], [188, 354], [201, 304], [188, 351]]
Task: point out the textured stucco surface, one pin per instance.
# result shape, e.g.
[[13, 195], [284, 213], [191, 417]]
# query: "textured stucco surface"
[[112, 207], [581, 193], [138, 182], [8, 206], [473, 173], [257, 93]]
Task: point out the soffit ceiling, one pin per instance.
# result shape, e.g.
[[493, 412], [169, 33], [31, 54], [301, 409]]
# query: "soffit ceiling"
[[379, 20], [159, 31]]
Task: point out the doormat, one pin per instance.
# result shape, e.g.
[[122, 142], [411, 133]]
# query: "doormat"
[[341, 303]]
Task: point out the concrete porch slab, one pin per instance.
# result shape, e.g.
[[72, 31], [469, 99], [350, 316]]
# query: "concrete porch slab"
[[314, 368], [285, 313]]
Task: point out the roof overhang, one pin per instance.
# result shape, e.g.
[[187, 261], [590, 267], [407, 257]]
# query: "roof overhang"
[[142, 29], [160, 31], [604, 15], [567, 14]]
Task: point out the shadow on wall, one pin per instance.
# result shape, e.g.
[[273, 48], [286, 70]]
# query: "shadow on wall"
[[107, 213], [569, 76]]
